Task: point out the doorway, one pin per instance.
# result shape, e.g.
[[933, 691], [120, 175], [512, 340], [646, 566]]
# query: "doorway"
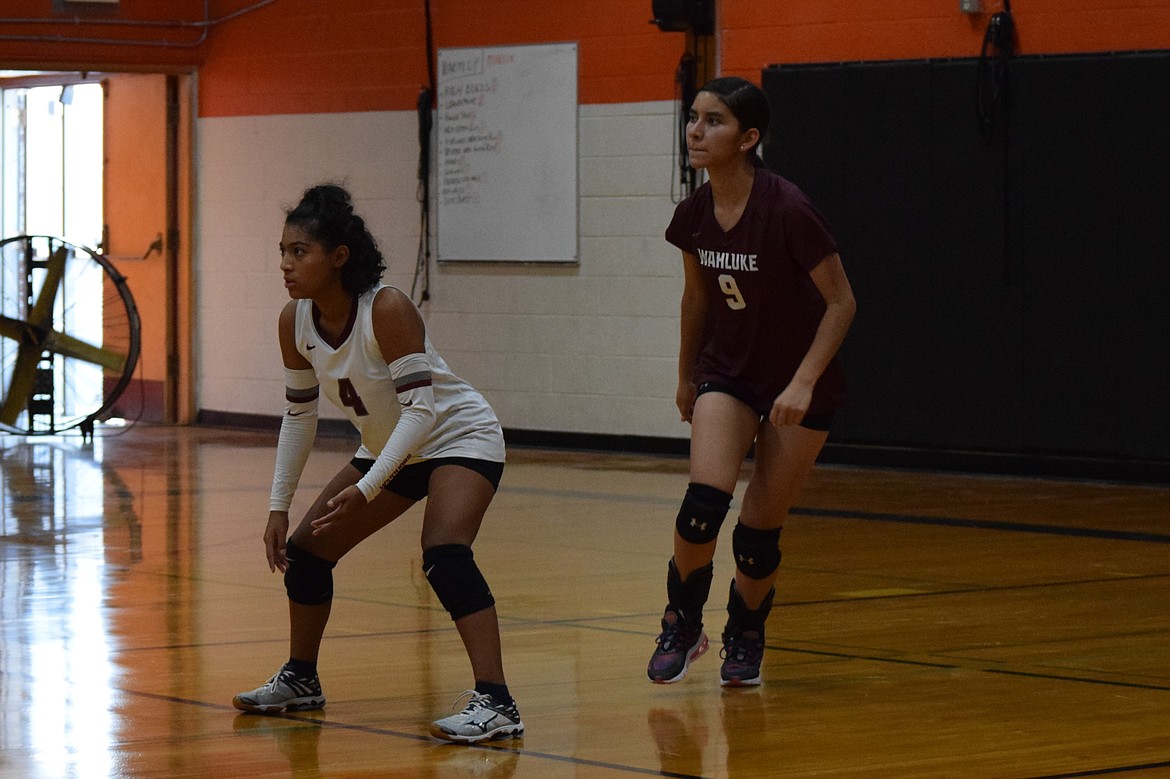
[[102, 160], [52, 162]]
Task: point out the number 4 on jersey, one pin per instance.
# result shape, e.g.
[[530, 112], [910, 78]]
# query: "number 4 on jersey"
[[349, 397]]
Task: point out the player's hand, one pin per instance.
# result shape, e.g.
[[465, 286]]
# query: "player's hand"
[[791, 405], [685, 399], [274, 540], [342, 504]]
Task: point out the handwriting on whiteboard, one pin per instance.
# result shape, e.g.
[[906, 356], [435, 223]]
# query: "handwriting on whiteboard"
[[466, 131]]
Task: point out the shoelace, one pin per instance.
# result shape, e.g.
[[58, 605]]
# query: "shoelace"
[[290, 679], [672, 638], [476, 702], [276, 679], [666, 643], [482, 701], [741, 648]]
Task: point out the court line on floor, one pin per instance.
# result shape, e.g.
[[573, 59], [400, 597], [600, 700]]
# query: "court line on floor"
[[586, 623], [975, 590], [986, 524], [877, 516], [1121, 769], [936, 664], [1082, 679], [329, 723], [976, 667]]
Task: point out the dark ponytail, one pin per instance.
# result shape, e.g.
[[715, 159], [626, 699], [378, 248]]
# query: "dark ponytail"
[[326, 214]]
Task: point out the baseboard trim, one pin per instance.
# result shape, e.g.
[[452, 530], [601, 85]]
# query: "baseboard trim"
[[333, 428], [1035, 465]]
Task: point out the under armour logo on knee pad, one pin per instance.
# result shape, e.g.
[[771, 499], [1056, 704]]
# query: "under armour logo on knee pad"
[[757, 552], [701, 514]]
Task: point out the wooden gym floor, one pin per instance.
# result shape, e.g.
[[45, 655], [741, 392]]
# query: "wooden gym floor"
[[927, 625]]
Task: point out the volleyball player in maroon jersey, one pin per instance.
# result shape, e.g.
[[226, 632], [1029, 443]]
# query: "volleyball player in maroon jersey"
[[765, 307]]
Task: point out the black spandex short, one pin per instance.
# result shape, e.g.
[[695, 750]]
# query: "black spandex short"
[[414, 480], [820, 421]]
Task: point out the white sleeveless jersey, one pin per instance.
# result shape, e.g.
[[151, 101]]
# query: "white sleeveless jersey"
[[356, 378]]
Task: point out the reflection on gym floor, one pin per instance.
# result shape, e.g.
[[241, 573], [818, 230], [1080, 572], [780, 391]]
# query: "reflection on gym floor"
[[928, 625]]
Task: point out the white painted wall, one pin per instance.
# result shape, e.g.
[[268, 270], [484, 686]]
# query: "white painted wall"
[[589, 348]]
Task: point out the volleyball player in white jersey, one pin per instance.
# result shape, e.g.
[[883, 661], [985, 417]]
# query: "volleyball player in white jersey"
[[424, 433]]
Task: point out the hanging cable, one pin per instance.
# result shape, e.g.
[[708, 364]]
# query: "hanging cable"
[[991, 98], [991, 72], [684, 92], [422, 268]]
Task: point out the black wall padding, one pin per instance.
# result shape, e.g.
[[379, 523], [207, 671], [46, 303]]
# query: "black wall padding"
[[1014, 294]]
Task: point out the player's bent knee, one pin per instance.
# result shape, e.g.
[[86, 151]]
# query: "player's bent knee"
[[456, 579], [308, 578], [702, 513], [757, 552]]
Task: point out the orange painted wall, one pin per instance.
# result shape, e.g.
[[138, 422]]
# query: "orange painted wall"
[[314, 56], [755, 35], [33, 37], [306, 56]]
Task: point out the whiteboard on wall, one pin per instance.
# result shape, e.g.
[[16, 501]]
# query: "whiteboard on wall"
[[507, 154]]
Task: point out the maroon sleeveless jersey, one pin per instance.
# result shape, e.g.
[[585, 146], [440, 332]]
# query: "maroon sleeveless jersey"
[[764, 307]]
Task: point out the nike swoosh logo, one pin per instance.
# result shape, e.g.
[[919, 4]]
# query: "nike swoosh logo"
[[310, 346]]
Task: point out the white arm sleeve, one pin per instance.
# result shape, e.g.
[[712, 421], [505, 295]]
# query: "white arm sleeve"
[[298, 428], [412, 381]]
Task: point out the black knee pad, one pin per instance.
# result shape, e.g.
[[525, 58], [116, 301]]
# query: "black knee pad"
[[456, 579], [757, 552], [308, 578], [702, 513]]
